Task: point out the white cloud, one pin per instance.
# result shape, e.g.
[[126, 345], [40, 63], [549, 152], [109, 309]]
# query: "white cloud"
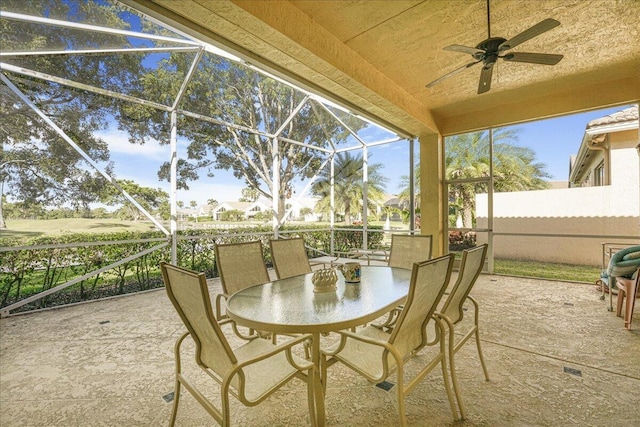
[[118, 142]]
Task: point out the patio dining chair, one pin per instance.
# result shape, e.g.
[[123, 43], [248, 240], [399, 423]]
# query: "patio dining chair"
[[409, 249], [250, 373], [452, 311], [239, 265], [405, 251], [289, 257], [376, 354]]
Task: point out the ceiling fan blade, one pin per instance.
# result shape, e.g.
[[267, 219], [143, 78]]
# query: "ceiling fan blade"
[[533, 58], [463, 49], [530, 33], [456, 71], [485, 79]]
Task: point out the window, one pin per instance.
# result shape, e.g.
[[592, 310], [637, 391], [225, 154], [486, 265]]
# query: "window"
[[598, 175]]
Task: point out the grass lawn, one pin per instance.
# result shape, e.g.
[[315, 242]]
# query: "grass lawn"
[[572, 273], [53, 227]]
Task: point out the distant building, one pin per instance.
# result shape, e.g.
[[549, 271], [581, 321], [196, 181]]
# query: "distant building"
[[607, 154], [249, 209], [301, 209], [391, 201]]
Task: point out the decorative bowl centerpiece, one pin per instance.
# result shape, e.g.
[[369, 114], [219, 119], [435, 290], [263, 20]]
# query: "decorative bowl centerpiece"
[[324, 280]]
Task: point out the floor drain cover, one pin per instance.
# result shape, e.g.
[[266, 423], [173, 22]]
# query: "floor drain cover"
[[168, 397], [385, 385], [572, 371]]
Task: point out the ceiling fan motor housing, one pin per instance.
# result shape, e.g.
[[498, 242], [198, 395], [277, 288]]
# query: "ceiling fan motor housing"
[[490, 47]]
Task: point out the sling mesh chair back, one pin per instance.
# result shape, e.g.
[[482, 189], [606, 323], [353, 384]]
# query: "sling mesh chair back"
[[453, 313], [289, 257], [250, 373], [407, 250], [239, 265], [376, 354]]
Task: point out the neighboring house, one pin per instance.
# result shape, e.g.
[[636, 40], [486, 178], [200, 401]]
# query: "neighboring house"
[[606, 155], [184, 214], [204, 210], [296, 209], [604, 200], [249, 209], [391, 201], [303, 209]]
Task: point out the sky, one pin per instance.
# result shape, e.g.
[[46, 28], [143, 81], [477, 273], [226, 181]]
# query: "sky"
[[141, 163], [553, 140]]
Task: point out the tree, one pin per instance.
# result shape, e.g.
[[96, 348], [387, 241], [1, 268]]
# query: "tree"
[[249, 195], [305, 212], [514, 168], [349, 186], [36, 165], [232, 215], [236, 94], [151, 199], [405, 193]]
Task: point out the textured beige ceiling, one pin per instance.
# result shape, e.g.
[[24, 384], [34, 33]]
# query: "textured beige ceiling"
[[377, 55]]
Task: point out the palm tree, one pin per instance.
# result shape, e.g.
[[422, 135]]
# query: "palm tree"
[[348, 186], [514, 167], [404, 194]]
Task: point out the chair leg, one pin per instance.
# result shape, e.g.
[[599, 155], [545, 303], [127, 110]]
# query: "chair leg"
[[631, 302], [178, 374], [454, 376], [226, 416], [484, 366], [400, 389], [176, 401], [621, 295]]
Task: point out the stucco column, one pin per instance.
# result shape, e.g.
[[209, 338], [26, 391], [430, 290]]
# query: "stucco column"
[[432, 191]]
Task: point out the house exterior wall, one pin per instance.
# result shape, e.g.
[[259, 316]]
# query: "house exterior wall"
[[582, 211], [624, 158]]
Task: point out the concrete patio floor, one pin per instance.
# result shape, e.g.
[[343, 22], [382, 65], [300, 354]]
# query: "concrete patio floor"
[[556, 357]]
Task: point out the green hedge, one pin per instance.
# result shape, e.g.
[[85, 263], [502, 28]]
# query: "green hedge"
[[27, 272]]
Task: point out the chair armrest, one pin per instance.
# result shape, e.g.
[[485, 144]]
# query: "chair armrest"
[[219, 315], [284, 347], [369, 340]]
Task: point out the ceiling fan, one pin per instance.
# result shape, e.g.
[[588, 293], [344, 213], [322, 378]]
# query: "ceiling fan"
[[488, 51]]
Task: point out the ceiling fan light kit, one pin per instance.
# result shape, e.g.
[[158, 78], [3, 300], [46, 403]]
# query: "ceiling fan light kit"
[[488, 51]]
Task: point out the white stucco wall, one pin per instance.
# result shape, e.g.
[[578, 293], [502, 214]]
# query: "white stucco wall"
[[588, 211], [624, 167]]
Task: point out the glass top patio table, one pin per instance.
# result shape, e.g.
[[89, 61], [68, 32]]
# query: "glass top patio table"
[[291, 305]]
